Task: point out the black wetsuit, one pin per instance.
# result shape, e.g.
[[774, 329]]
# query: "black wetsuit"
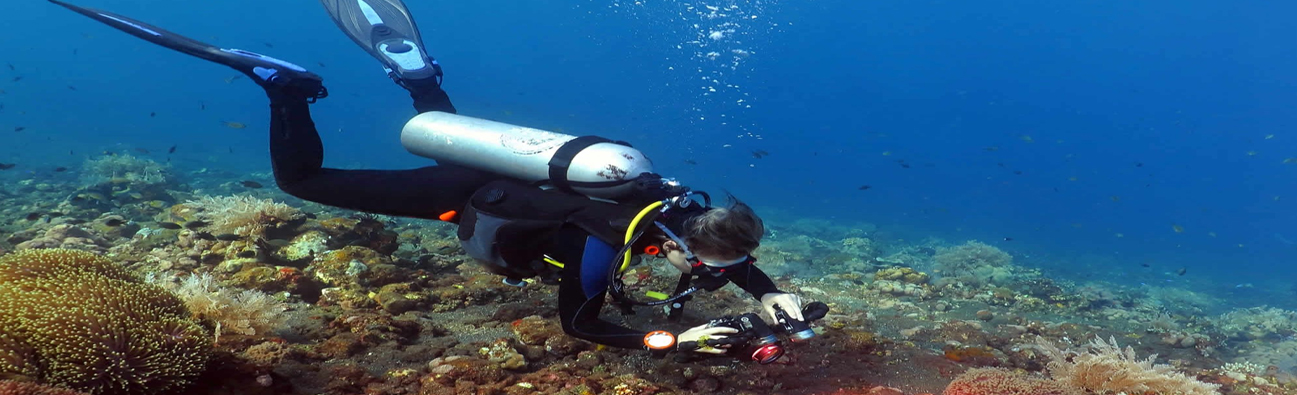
[[297, 154]]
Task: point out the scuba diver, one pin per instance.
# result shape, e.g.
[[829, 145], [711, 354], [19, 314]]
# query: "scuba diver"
[[529, 203]]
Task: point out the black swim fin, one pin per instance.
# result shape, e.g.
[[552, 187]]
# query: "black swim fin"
[[386, 30], [266, 71]]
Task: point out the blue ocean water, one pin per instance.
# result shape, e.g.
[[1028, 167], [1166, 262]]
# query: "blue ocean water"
[[1090, 138]]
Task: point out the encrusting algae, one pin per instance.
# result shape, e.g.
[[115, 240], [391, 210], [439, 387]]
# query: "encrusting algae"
[[75, 319]]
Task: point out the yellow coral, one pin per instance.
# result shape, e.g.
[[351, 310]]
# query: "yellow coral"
[[75, 319]]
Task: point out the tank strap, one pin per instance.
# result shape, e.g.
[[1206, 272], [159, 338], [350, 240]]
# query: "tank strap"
[[562, 160]]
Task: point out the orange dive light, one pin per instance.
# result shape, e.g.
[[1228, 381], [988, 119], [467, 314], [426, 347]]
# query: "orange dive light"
[[659, 340]]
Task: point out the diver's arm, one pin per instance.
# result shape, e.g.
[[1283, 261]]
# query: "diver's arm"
[[753, 280]]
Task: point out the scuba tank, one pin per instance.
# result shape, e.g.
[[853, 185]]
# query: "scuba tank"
[[589, 165]]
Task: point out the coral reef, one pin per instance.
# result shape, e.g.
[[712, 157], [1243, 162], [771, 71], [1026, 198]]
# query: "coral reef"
[[240, 215], [123, 169], [1105, 367], [131, 338], [244, 312], [24, 388], [974, 262], [998, 381]]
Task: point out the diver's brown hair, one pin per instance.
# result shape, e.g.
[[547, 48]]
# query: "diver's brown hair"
[[728, 232]]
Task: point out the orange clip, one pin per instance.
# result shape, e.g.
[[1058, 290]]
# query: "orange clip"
[[652, 250], [448, 216]]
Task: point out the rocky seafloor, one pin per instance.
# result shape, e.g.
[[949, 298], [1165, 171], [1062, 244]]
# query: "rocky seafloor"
[[290, 297]]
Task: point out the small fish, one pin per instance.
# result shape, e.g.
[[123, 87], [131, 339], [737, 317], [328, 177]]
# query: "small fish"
[[205, 236], [233, 78], [11, 66], [1018, 172], [34, 216], [20, 128], [278, 243], [320, 63], [227, 237], [1182, 271], [760, 154], [18, 78], [1139, 164], [991, 149], [114, 222], [7, 166], [169, 225], [171, 150], [153, 114], [72, 88], [1027, 138], [1269, 136], [1008, 239], [903, 164], [1177, 228], [60, 169], [1072, 178], [231, 150], [1212, 234], [191, 225], [1251, 153], [247, 254], [864, 188], [202, 106], [310, 216], [1145, 265], [268, 45], [55, 214], [1115, 198], [250, 184], [142, 151], [691, 162], [234, 125], [887, 153], [1290, 161]]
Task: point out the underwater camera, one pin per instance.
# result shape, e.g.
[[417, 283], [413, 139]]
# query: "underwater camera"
[[761, 342]]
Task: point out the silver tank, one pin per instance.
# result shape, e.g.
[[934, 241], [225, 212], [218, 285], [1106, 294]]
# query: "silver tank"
[[520, 152]]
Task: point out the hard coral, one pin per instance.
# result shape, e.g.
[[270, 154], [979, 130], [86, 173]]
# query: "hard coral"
[[75, 319], [996, 381]]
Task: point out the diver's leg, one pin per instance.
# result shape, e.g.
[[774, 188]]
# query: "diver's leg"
[[386, 30], [296, 150]]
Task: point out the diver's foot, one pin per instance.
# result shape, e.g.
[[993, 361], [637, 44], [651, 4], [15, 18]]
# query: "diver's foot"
[[386, 30], [276, 76]]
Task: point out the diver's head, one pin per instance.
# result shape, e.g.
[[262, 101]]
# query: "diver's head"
[[717, 237]]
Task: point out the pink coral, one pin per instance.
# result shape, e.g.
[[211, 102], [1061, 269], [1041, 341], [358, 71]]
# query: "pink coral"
[[994, 381]]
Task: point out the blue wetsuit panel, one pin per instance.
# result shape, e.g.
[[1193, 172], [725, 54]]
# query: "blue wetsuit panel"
[[595, 263]]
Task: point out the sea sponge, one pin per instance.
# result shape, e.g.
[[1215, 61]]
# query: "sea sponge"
[[996, 381], [75, 319]]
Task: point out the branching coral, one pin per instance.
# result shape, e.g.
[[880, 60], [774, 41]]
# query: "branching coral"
[[1104, 367], [123, 168], [242, 215], [75, 319], [246, 312]]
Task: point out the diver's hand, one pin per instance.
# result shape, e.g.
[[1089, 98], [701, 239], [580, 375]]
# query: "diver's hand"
[[791, 304], [697, 339]]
